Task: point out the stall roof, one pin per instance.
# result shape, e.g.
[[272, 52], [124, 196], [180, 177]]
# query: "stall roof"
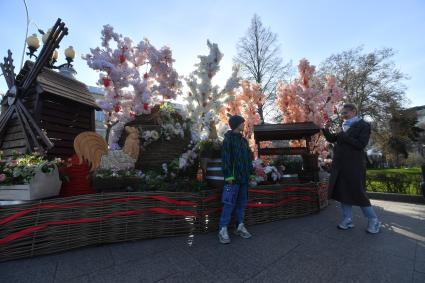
[[55, 83], [290, 131]]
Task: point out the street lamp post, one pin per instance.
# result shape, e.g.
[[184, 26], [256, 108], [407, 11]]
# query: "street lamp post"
[[34, 43]]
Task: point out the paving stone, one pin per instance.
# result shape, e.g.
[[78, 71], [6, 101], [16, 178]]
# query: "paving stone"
[[39, 269], [418, 277], [81, 262], [164, 265], [367, 265], [420, 251], [139, 250], [317, 261], [420, 266]]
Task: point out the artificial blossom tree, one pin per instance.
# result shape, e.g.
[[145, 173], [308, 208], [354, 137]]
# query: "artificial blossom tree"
[[135, 77], [307, 98]]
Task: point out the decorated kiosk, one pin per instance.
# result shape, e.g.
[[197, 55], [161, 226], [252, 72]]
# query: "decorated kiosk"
[[152, 175]]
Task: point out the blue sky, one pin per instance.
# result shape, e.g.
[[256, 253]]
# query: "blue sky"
[[310, 29]]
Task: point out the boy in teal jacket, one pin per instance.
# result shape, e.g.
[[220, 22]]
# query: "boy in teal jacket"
[[238, 170]]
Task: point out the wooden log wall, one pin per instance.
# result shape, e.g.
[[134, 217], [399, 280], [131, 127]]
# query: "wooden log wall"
[[63, 120]]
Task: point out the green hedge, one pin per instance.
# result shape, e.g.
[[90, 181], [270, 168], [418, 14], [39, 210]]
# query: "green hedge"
[[401, 181]]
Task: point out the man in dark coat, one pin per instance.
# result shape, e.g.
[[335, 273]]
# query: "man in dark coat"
[[347, 183], [237, 170]]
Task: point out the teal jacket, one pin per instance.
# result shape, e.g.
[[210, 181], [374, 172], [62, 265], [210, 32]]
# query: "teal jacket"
[[237, 160]]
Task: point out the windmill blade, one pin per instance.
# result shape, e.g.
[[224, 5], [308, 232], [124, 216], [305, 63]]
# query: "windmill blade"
[[22, 109], [8, 69], [55, 36], [26, 129], [4, 118]]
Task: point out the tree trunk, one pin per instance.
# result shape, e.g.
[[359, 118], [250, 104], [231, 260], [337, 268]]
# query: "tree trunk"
[[261, 113]]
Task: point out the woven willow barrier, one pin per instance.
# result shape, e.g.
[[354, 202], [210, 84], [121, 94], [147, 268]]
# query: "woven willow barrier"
[[61, 224], [276, 202]]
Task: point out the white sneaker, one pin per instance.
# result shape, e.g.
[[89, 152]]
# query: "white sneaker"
[[373, 226], [223, 236], [346, 224], [241, 231]]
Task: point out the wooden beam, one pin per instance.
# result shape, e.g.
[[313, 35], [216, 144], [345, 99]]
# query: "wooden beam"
[[5, 118], [13, 136], [282, 151], [13, 144], [9, 152], [55, 36], [30, 119], [21, 122], [66, 116]]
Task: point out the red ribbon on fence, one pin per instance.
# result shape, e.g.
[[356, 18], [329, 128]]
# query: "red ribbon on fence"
[[134, 198], [211, 198], [159, 210], [11, 237], [70, 205]]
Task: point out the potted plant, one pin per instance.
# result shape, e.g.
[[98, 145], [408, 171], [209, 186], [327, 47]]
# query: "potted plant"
[[29, 177]]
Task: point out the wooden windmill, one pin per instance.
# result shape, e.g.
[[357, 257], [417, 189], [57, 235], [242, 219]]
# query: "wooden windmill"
[[43, 110]]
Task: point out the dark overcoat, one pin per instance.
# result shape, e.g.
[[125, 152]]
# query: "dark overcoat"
[[347, 183]]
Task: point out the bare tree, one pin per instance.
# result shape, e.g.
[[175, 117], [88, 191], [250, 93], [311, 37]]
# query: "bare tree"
[[371, 80], [259, 60]]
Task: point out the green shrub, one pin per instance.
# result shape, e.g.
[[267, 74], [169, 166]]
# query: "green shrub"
[[401, 181]]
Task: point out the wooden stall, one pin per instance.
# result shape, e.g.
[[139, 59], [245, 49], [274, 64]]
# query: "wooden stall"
[[288, 132]]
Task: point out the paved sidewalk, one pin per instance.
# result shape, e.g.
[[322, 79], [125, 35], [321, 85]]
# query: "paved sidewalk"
[[308, 249]]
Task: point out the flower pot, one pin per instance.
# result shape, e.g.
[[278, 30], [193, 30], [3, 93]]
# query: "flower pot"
[[43, 185]]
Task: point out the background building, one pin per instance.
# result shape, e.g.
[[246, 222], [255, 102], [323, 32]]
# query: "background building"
[[98, 93]]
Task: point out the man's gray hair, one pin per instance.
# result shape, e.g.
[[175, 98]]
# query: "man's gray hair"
[[350, 106]]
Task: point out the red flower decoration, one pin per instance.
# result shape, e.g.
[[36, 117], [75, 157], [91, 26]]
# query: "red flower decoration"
[[145, 106], [146, 76], [122, 58], [117, 108], [326, 117], [106, 82]]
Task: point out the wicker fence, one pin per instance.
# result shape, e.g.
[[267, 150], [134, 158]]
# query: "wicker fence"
[[62, 224]]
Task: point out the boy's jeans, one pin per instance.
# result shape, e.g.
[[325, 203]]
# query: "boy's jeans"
[[239, 207], [368, 211]]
